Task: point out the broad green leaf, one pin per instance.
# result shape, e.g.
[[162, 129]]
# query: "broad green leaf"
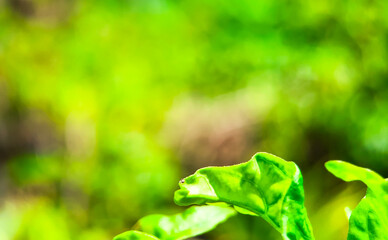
[[193, 221], [135, 235], [267, 186], [369, 220]]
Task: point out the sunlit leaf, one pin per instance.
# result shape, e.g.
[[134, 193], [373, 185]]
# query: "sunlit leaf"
[[349, 172], [369, 220], [267, 186], [194, 221], [134, 235]]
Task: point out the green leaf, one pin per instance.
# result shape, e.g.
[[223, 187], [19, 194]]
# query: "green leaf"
[[349, 172], [369, 220], [193, 221], [267, 186], [135, 235]]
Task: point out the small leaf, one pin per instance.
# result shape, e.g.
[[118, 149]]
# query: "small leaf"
[[349, 172], [267, 186], [369, 220], [192, 222], [134, 235]]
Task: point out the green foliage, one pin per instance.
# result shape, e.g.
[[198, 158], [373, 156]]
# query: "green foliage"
[[266, 186], [269, 187], [369, 220], [192, 222], [90, 88]]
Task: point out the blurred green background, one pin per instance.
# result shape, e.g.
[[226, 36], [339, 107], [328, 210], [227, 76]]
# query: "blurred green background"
[[105, 105]]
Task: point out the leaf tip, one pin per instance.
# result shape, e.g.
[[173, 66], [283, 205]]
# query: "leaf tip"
[[333, 164]]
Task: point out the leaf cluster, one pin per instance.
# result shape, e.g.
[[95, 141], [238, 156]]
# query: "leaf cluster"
[[268, 187]]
